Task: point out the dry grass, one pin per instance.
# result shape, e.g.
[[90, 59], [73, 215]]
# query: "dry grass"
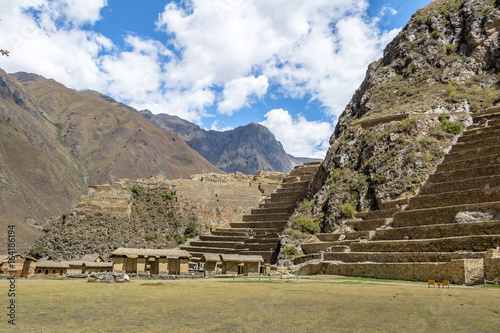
[[222, 305]]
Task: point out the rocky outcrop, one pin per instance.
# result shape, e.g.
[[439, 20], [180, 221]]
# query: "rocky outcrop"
[[441, 69]]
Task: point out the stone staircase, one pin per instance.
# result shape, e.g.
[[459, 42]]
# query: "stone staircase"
[[257, 233], [442, 233]]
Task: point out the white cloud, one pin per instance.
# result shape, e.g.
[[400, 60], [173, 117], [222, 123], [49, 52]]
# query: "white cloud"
[[215, 127], [300, 137], [237, 92]]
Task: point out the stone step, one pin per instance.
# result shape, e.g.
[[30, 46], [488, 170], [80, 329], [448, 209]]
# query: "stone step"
[[479, 142], [287, 196], [222, 245], [216, 250], [491, 113], [292, 189], [469, 163], [366, 225], [455, 198], [461, 185], [215, 238], [265, 211], [262, 240], [401, 256], [310, 248], [479, 134], [328, 237], [294, 180], [439, 231], [472, 153], [259, 247], [279, 225], [244, 231], [474, 243], [279, 205], [394, 203], [438, 215], [449, 176], [265, 217], [377, 214]]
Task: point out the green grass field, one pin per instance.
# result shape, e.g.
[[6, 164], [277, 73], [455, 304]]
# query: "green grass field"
[[314, 304]]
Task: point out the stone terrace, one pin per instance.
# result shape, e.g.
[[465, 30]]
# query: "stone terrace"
[[443, 233], [257, 234]]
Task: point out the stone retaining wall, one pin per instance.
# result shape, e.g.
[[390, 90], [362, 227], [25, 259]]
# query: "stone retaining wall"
[[462, 271]]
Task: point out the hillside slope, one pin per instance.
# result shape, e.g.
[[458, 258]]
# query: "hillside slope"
[[56, 141], [247, 149], [440, 69]]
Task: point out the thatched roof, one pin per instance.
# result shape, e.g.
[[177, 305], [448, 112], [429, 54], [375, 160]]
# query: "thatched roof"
[[6, 257], [52, 264], [172, 253], [210, 257], [241, 258], [98, 264], [91, 257]]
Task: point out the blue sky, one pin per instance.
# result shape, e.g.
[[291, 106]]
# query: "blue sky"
[[291, 65]]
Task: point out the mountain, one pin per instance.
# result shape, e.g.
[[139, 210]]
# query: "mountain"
[[247, 149], [441, 69], [56, 141]]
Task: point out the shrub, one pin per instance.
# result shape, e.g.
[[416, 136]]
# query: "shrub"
[[138, 208], [435, 34], [453, 127], [37, 250], [137, 189], [191, 230], [305, 225], [179, 239], [151, 236], [290, 250], [452, 48], [347, 211], [426, 142], [169, 195], [405, 126], [411, 157]]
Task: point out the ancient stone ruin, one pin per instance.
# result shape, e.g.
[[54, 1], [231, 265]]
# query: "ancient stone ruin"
[[449, 231]]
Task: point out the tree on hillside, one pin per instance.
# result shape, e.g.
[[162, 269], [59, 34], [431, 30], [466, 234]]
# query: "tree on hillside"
[[4, 52]]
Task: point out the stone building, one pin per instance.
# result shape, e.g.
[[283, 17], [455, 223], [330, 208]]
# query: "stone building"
[[151, 261], [241, 264], [211, 261], [52, 268], [23, 266]]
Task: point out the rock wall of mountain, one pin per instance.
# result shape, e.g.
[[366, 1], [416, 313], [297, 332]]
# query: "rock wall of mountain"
[[441, 68], [56, 141], [247, 149]]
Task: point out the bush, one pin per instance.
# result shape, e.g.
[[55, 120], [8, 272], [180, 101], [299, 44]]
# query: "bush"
[[452, 48], [347, 211], [137, 189], [191, 230], [453, 127], [138, 208], [37, 250], [151, 236], [290, 250], [305, 225], [169, 195], [405, 126], [179, 239]]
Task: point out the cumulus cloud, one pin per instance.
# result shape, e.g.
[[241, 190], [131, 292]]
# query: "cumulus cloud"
[[300, 137], [237, 92]]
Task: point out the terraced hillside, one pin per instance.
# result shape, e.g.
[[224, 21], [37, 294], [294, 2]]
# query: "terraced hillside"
[[258, 233], [443, 233]]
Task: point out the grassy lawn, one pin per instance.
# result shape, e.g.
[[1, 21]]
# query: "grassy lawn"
[[314, 304]]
